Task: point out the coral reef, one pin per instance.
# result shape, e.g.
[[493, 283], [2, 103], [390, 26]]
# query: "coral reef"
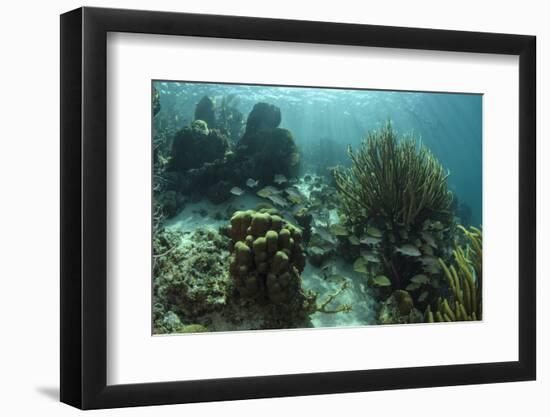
[[247, 276], [249, 233], [203, 158], [465, 281]]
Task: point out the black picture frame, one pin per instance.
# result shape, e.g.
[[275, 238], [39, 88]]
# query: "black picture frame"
[[84, 207]]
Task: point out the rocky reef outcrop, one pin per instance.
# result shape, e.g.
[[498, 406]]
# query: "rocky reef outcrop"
[[267, 150], [263, 116], [196, 145], [203, 161]]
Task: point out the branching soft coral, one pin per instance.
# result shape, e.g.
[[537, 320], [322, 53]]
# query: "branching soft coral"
[[392, 178], [465, 281]]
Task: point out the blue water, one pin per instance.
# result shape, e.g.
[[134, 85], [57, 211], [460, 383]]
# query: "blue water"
[[449, 124]]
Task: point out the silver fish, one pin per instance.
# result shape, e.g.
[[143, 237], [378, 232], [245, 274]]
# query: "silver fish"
[[427, 249], [408, 250], [294, 195], [338, 230], [325, 235], [268, 191], [374, 232], [369, 240], [293, 191], [280, 201], [432, 269], [237, 191], [369, 256], [252, 183], [423, 296], [429, 239], [420, 279], [279, 179], [437, 225], [429, 260], [353, 240]]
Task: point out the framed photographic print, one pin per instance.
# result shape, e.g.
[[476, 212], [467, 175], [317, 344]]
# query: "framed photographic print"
[[258, 207]]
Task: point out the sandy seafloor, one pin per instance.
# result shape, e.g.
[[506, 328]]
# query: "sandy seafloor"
[[357, 294]]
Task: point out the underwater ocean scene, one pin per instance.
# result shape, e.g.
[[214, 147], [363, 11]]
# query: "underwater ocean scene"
[[278, 207]]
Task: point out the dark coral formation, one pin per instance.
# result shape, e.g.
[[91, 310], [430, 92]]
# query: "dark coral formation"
[[196, 145], [263, 116], [266, 150], [202, 158]]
